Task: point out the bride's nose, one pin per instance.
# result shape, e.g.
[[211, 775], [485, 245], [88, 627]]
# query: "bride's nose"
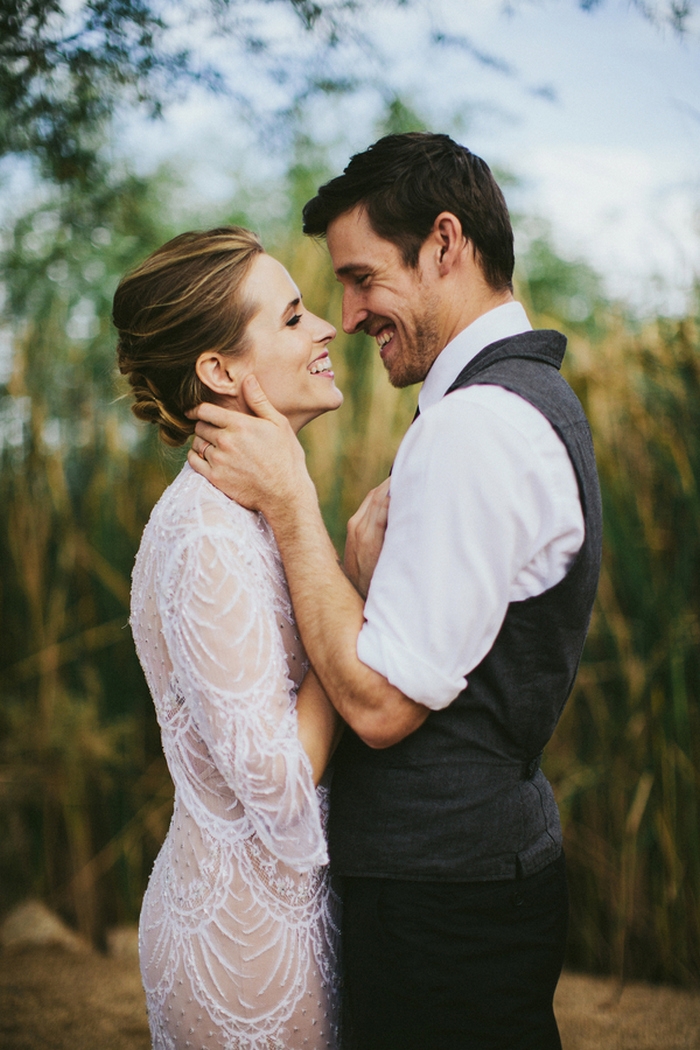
[[323, 331]]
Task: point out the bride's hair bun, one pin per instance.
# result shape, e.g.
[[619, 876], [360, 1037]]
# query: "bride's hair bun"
[[183, 299]]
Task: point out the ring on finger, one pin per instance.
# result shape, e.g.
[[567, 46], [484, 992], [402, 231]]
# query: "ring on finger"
[[203, 450]]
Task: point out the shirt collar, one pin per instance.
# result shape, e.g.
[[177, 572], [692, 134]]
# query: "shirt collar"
[[499, 323]]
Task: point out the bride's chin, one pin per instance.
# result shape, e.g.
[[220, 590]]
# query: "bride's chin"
[[332, 402], [331, 406]]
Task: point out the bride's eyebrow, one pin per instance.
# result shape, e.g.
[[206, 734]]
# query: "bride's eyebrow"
[[292, 305]]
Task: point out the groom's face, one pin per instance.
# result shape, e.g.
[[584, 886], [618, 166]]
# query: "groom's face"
[[397, 305]]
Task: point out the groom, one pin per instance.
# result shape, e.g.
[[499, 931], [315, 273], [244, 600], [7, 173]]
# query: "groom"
[[453, 674]]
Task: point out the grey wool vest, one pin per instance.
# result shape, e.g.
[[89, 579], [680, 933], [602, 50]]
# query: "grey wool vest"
[[463, 797]]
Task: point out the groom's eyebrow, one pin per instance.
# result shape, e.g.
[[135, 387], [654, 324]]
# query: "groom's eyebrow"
[[351, 268]]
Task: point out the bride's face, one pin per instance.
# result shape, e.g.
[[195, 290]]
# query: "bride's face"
[[288, 346]]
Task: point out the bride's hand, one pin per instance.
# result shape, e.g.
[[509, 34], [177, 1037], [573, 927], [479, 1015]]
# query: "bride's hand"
[[254, 459], [365, 537]]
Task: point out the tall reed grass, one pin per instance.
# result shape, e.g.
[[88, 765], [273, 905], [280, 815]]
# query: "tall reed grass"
[[83, 790], [84, 794], [626, 758]]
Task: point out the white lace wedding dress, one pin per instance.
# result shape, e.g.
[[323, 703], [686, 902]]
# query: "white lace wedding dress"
[[238, 931]]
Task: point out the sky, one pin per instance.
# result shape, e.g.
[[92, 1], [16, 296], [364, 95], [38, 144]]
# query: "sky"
[[614, 160], [596, 113]]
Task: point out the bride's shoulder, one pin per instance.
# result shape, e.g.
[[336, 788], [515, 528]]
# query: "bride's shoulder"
[[193, 520], [191, 502]]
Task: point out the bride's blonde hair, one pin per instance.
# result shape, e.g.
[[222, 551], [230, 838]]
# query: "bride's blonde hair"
[[183, 299]]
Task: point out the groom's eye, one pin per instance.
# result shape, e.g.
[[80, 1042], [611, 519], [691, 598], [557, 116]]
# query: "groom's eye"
[[293, 321]]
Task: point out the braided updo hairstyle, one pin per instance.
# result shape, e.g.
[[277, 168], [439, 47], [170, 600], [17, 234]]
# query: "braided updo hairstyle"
[[183, 300]]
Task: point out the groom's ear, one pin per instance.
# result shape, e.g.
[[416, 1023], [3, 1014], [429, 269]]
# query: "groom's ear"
[[447, 241], [218, 373]]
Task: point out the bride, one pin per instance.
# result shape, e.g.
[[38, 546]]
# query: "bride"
[[238, 929]]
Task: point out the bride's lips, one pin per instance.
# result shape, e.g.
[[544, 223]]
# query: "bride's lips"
[[327, 371]]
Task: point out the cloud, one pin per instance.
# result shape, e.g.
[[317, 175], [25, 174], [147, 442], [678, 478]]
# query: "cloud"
[[634, 215]]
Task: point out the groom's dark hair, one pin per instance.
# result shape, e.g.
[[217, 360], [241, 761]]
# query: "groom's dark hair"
[[404, 182]]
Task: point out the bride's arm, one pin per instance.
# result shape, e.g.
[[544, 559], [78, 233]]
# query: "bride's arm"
[[222, 638], [319, 726]]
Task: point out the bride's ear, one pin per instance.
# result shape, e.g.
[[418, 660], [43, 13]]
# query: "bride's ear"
[[218, 373]]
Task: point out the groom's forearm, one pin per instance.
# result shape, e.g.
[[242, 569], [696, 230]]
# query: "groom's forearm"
[[258, 461], [329, 612]]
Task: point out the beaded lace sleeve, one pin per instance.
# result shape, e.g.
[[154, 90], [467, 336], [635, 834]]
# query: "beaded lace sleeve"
[[217, 606]]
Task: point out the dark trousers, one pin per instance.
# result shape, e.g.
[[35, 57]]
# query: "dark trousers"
[[454, 966]]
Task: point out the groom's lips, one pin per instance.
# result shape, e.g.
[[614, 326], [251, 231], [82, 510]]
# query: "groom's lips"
[[384, 337]]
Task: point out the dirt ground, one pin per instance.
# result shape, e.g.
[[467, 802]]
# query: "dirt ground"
[[51, 999]]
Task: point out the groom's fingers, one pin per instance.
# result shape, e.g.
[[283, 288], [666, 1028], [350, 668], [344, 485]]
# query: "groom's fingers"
[[208, 433], [198, 463], [207, 412], [257, 400]]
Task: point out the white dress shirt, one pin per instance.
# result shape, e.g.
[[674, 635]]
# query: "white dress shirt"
[[484, 511]]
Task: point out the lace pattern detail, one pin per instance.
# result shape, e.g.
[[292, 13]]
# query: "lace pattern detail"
[[238, 936]]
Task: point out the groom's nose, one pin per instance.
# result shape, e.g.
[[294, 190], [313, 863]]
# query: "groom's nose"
[[354, 314]]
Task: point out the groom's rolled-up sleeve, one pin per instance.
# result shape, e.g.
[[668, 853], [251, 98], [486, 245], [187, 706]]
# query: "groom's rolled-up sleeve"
[[475, 505]]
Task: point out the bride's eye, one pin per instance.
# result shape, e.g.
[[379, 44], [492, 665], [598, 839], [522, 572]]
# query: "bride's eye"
[[294, 321]]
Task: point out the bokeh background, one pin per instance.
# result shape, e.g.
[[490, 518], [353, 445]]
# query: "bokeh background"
[[123, 122]]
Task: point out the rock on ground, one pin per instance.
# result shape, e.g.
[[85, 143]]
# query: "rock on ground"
[[32, 924]]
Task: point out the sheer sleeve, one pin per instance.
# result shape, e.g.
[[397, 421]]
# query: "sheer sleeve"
[[218, 614]]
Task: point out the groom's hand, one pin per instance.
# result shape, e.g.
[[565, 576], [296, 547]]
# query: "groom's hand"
[[254, 459]]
